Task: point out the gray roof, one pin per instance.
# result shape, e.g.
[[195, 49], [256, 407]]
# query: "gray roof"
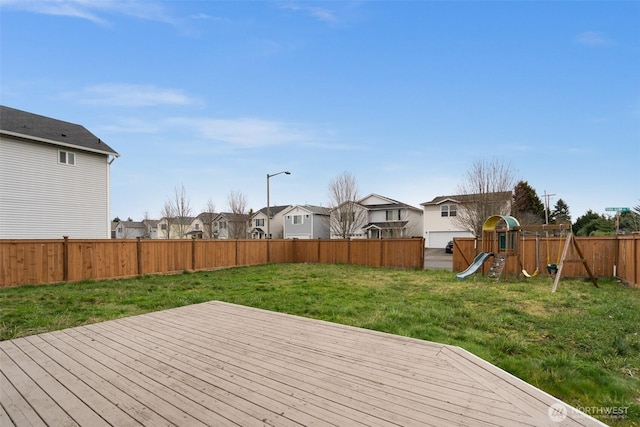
[[383, 206], [463, 198], [133, 224], [273, 210], [320, 210], [232, 217], [33, 126]]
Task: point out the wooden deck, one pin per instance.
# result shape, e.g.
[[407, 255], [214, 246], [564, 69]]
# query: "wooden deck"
[[220, 364]]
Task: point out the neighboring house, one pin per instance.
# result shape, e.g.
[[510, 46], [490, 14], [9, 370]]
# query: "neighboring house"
[[175, 227], [202, 226], [130, 229], [440, 217], [306, 222], [152, 227], [54, 179], [145, 229], [383, 218], [390, 218], [228, 225], [259, 223]]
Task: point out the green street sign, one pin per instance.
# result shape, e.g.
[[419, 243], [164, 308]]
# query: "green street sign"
[[618, 209]]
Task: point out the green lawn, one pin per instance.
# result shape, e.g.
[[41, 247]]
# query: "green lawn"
[[580, 344]]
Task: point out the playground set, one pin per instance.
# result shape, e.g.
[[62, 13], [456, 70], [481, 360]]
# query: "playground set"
[[501, 238]]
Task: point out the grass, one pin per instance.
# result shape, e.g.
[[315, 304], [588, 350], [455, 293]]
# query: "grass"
[[580, 344]]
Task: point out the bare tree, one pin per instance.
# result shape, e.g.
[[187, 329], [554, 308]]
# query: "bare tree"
[[347, 215], [207, 219], [238, 218], [169, 215], [178, 208], [487, 189]]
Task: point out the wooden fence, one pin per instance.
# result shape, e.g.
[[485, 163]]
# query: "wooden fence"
[[606, 256], [65, 260]]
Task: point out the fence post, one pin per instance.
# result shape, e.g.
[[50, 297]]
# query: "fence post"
[[139, 255], [193, 253], [65, 259]]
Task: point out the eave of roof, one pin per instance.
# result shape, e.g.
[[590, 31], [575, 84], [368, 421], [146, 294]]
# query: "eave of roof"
[[385, 225], [36, 128]]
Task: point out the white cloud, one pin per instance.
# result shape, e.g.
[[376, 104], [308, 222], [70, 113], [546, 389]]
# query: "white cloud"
[[207, 17], [320, 13], [593, 38], [131, 126], [93, 10], [246, 132], [127, 95]]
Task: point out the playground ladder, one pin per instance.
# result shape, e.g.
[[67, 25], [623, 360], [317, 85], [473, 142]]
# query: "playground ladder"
[[499, 261]]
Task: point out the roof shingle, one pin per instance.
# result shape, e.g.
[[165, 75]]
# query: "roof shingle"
[[29, 125]]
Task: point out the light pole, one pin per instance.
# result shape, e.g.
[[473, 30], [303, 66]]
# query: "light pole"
[[268, 208]]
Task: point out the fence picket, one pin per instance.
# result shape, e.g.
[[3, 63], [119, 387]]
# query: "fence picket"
[[69, 260]]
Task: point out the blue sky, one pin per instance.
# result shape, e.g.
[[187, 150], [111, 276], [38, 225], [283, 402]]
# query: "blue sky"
[[405, 95]]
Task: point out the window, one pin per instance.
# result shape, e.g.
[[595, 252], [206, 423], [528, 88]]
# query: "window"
[[66, 158], [297, 219], [197, 227], [163, 227], [393, 215], [259, 222], [346, 217], [448, 210]]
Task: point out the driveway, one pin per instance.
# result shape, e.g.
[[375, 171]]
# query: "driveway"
[[437, 259]]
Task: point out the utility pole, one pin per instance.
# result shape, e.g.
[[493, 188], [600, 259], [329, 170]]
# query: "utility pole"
[[546, 206], [269, 202]]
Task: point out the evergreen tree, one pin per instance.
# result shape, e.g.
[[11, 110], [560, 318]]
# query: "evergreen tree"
[[630, 221], [560, 213], [527, 206], [592, 224]]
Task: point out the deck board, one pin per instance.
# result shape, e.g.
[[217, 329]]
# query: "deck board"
[[221, 364]]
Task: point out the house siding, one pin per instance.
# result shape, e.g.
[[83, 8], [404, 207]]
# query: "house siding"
[[321, 226], [298, 231], [40, 198], [441, 229]]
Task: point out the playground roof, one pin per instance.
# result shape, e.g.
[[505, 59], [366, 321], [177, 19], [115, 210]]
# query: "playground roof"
[[491, 222]]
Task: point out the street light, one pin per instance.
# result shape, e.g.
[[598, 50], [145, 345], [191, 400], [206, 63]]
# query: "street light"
[[268, 208]]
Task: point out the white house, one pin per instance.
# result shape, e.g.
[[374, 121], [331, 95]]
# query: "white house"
[[390, 218], [306, 222], [259, 223], [145, 229], [383, 218], [174, 227], [54, 179], [129, 230], [202, 226], [229, 225], [440, 225]]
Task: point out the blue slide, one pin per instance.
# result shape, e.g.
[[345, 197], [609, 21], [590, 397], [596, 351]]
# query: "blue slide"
[[475, 265]]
